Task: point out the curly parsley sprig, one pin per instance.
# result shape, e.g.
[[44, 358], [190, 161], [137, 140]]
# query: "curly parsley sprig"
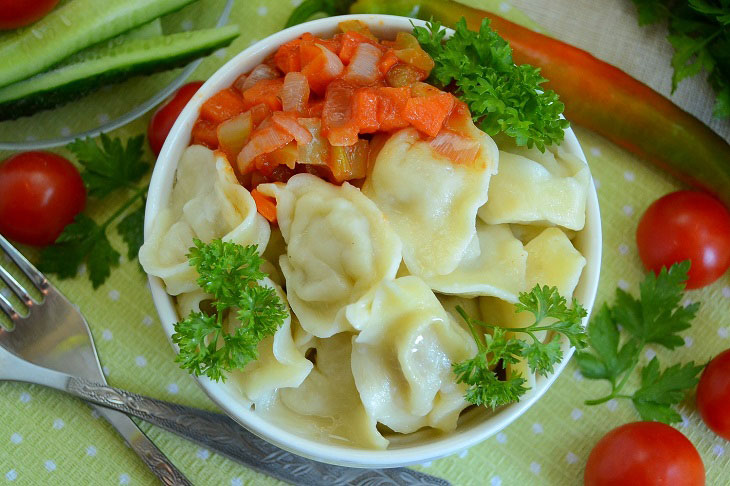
[[551, 314], [657, 317], [502, 97], [230, 273]]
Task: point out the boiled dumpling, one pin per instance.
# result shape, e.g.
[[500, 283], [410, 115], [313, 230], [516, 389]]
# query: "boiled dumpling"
[[550, 191], [402, 357], [430, 201], [207, 202], [339, 246], [494, 264], [329, 393]]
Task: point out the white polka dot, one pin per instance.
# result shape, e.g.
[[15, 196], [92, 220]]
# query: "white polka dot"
[[649, 353], [535, 467], [173, 388], [262, 11], [186, 25], [147, 321], [726, 292], [102, 118], [577, 375], [91, 451], [141, 361], [504, 7], [628, 210], [501, 438], [106, 370], [220, 53], [537, 428], [25, 397], [722, 332], [495, 481], [203, 454], [124, 478], [571, 458], [50, 465], [718, 450], [611, 405], [58, 424], [685, 421], [596, 151], [11, 475], [16, 438], [114, 295], [296, 3], [236, 482], [464, 453], [576, 414], [629, 176], [687, 302], [107, 335], [65, 131], [623, 285], [596, 183], [623, 248], [688, 342], [426, 464]]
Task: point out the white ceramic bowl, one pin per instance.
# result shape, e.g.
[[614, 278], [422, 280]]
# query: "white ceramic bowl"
[[474, 426]]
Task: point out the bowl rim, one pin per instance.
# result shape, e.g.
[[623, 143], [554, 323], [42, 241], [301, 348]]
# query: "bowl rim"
[[159, 191]]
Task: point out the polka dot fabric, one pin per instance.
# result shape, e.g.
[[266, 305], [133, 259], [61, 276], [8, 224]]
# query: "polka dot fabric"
[[49, 438]]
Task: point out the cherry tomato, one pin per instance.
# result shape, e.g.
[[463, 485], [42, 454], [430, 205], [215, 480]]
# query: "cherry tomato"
[[165, 116], [713, 395], [40, 193], [686, 225], [17, 13], [644, 454]]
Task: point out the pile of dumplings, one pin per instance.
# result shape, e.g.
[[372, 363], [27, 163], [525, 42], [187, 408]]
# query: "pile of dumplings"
[[372, 276]]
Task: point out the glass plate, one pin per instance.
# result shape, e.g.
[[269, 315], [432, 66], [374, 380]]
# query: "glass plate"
[[109, 107]]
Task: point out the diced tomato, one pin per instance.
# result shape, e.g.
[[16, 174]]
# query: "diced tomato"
[[204, 133], [363, 67], [461, 150], [365, 110], [266, 206], [262, 141], [315, 109], [391, 104], [223, 105], [288, 121], [233, 134], [295, 93], [322, 69], [267, 91], [386, 62], [428, 113], [259, 113], [287, 57]]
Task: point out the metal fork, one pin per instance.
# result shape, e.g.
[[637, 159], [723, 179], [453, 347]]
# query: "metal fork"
[[55, 335]]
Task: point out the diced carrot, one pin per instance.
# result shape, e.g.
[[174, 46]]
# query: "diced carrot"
[[391, 104], [259, 113], [266, 206], [365, 110], [287, 57], [334, 44], [267, 91], [322, 69], [315, 109], [387, 61], [428, 113], [204, 133], [223, 105]]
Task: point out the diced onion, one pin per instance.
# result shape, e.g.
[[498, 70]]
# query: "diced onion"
[[363, 67], [262, 71], [295, 93], [460, 150], [262, 141], [289, 123]]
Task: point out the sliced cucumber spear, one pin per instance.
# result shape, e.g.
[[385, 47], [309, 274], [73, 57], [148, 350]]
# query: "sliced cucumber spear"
[[70, 28], [110, 65]]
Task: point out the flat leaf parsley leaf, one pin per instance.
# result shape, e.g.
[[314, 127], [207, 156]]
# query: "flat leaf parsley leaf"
[[656, 318], [502, 97], [230, 273], [552, 314]]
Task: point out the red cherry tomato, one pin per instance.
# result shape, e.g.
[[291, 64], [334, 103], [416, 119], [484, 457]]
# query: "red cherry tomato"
[[644, 454], [713, 395], [17, 13], [165, 116], [686, 225], [40, 193]]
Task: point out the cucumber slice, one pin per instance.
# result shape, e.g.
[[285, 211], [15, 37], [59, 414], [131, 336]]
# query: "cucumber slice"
[[110, 65], [72, 27], [146, 31]]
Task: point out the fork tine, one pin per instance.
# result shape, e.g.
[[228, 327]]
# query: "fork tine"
[[38, 279], [13, 284], [8, 309]]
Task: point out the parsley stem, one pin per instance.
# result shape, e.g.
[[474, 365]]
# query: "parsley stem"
[[137, 194]]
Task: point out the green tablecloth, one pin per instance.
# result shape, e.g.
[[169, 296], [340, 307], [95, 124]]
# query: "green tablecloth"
[[49, 438]]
